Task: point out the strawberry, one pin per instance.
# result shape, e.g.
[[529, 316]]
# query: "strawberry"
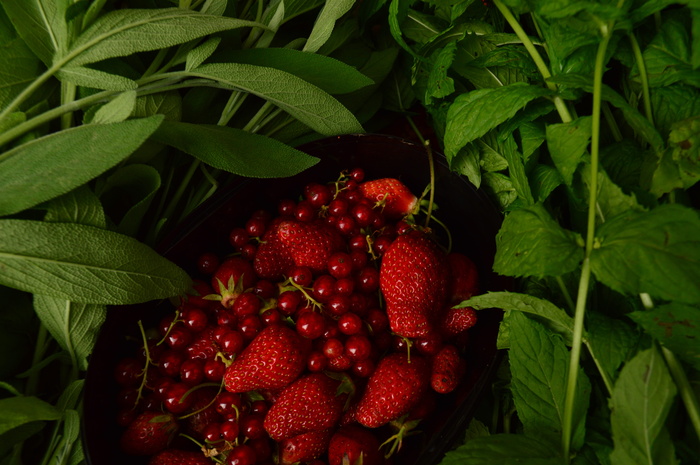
[[393, 196], [273, 359], [413, 279], [232, 277], [272, 259], [149, 433], [203, 345], [304, 447], [397, 384], [353, 444], [179, 457], [464, 278], [457, 320], [448, 369], [310, 243], [310, 403]]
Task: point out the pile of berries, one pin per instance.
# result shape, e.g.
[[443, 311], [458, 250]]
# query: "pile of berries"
[[323, 337]]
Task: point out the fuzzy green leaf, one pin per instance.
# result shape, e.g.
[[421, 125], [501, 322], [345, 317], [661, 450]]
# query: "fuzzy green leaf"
[[473, 114], [41, 24], [116, 110], [234, 150], [305, 102], [641, 400], [18, 68], [332, 11], [127, 31], [20, 410], [96, 79], [134, 185], [53, 165], [84, 264], [531, 243], [655, 252], [331, 75]]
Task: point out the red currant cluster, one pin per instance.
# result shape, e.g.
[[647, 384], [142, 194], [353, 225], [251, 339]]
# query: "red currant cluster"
[[335, 308]]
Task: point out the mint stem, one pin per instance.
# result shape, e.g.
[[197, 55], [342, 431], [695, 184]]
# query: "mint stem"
[[685, 390]]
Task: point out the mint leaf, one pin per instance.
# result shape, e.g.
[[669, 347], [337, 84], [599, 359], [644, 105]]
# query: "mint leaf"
[[127, 31], [567, 144], [539, 362], [655, 252], [676, 326], [610, 342], [440, 84], [541, 309], [531, 243], [503, 448], [611, 198], [474, 113], [235, 150], [667, 57], [544, 179], [84, 264], [640, 402], [516, 169], [20, 410], [53, 165]]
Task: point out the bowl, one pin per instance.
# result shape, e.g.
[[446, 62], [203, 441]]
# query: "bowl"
[[468, 213]]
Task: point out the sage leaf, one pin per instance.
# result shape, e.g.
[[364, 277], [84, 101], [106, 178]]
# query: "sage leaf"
[[305, 102], [640, 402], [133, 185], [655, 252], [539, 362], [84, 264], [474, 113], [94, 78], [331, 75], [54, 164], [235, 150], [74, 325], [127, 31], [543, 310], [676, 326], [19, 410], [80, 205], [18, 68], [503, 448], [567, 144], [198, 55], [116, 110], [41, 24], [531, 243]]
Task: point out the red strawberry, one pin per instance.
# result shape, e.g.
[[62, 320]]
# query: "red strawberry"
[[310, 403], [304, 447], [179, 457], [392, 195], [310, 244], [149, 433], [272, 259], [464, 278], [272, 360], [232, 277], [413, 279], [356, 445], [203, 345], [457, 320], [448, 369], [397, 384]]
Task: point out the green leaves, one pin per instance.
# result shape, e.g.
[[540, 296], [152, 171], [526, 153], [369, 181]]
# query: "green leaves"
[[655, 252], [127, 31], [20, 410], [234, 150], [641, 400], [473, 114], [531, 243], [84, 264], [41, 24], [537, 362], [503, 448], [54, 164]]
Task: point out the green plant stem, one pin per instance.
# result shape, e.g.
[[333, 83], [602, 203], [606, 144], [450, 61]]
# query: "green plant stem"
[[262, 112], [537, 58], [643, 76], [68, 92], [685, 390], [29, 90], [39, 351]]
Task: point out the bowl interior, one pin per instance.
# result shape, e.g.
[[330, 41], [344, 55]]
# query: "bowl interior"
[[468, 213]]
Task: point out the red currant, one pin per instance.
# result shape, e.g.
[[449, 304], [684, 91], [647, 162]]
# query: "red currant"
[[207, 263], [311, 325], [340, 265], [241, 455]]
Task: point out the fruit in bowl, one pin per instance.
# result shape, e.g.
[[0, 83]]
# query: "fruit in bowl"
[[323, 322]]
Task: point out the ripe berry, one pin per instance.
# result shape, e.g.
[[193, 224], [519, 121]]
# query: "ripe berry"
[[347, 225], [214, 370], [176, 400], [333, 348], [255, 227], [228, 404], [288, 302], [317, 194], [286, 207], [170, 363], [232, 342], [191, 372], [271, 316], [349, 323], [301, 275], [363, 368], [338, 207], [207, 263], [357, 174], [238, 237], [324, 288], [340, 265], [229, 430], [338, 305], [358, 347], [250, 326], [304, 211], [251, 425], [246, 304], [311, 325], [128, 372], [194, 318], [241, 455], [363, 214], [368, 280], [316, 361]]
